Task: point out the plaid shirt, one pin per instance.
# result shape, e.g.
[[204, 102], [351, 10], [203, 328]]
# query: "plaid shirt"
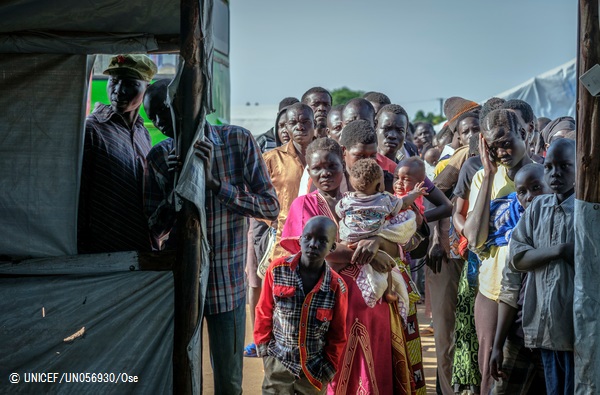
[[246, 191], [306, 333]]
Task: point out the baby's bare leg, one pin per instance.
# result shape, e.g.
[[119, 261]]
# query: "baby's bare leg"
[[390, 296]]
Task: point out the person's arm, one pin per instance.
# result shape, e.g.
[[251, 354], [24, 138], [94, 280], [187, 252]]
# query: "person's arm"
[[476, 227], [459, 216], [336, 335], [443, 206], [263, 322], [537, 257], [409, 199], [506, 317], [258, 199], [158, 189]]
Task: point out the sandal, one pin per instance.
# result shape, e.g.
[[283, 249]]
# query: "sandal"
[[250, 351]]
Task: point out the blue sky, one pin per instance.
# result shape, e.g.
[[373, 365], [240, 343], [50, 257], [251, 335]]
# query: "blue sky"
[[414, 51]]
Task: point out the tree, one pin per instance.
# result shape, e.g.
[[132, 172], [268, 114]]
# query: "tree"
[[344, 94], [430, 117]]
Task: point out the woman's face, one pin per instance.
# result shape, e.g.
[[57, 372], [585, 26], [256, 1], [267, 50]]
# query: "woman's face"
[[326, 170]]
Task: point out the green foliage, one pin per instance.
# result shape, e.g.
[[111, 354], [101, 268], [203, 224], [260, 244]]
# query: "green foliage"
[[430, 117], [343, 94]]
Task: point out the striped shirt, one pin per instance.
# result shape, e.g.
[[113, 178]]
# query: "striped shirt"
[[306, 333], [111, 217], [246, 191]]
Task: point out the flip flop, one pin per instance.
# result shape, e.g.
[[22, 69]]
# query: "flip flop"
[[250, 351]]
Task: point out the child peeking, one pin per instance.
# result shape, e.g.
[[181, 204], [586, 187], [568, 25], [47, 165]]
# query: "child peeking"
[[300, 327], [368, 212]]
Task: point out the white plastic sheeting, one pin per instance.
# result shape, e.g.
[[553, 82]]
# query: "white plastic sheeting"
[[551, 94], [42, 98], [587, 297]]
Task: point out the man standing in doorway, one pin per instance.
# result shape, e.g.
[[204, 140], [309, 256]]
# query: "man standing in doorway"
[[111, 216]]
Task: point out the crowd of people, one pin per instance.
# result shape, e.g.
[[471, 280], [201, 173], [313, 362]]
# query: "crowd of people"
[[339, 220]]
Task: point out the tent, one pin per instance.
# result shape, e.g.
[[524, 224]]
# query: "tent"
[[107, 318], [551, 94]]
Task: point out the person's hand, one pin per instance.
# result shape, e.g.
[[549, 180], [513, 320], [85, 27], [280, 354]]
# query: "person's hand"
[[204, 150], [419, 189], [174, 162], [567, 252], [436, 258], [496, 361], [364, 250], [383, 263], [489, 164]]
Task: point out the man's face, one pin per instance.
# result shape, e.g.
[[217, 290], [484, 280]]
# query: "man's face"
[[300, 124], [526, 128], [423, 135], [334, 125], [358, 152], [125, 94], [467, 128], [284, 136], [320, 103], [391, 130], [159, 113], [354, 112], [506, 146]]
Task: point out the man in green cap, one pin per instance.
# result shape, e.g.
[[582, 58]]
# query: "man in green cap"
[[111, 216]]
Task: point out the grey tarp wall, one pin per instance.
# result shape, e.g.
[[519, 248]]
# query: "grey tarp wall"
[[42, 98], [586, 309], [127, 316]]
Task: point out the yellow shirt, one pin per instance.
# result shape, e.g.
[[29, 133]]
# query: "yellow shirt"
[[490, 272], [285, 169]]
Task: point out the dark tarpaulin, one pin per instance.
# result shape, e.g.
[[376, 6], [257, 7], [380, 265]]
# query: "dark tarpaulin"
[[127, 316]]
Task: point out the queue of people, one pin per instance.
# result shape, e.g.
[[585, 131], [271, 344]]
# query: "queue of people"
[[337, 221]]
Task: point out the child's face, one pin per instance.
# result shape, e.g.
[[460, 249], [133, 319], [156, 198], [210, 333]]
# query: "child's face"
[[317, 240], [406, 179], [559, 168], [530, 184], [432, 156]]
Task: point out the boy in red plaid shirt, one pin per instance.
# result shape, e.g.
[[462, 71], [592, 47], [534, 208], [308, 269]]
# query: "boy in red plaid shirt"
[[300, 327]]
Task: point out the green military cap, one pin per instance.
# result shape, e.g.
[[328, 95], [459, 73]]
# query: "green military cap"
[[140, 67]]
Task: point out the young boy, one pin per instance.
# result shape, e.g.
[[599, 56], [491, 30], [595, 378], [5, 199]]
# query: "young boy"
[[300, 328], [515, 367], [542, 244]]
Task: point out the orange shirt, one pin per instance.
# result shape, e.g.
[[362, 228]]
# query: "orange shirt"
[[285, 169]]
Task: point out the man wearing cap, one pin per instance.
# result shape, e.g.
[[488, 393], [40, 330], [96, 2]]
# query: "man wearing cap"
[[111, 216]]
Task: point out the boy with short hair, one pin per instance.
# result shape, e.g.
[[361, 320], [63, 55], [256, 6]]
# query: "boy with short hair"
[[300, 328], [542, 244]]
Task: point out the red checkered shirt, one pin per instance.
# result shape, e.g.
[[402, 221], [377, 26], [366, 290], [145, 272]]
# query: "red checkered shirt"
[[306, 333]]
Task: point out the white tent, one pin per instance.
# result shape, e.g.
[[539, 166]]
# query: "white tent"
[[551, 94]]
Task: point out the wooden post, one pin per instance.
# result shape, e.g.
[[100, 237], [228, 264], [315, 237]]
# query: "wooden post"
[[186, 271], [588, 107]]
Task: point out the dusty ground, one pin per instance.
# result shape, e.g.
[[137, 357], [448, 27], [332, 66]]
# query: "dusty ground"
[[253, 369]]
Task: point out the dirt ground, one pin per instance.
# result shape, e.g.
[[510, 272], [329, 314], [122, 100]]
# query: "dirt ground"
[[253, 369]]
